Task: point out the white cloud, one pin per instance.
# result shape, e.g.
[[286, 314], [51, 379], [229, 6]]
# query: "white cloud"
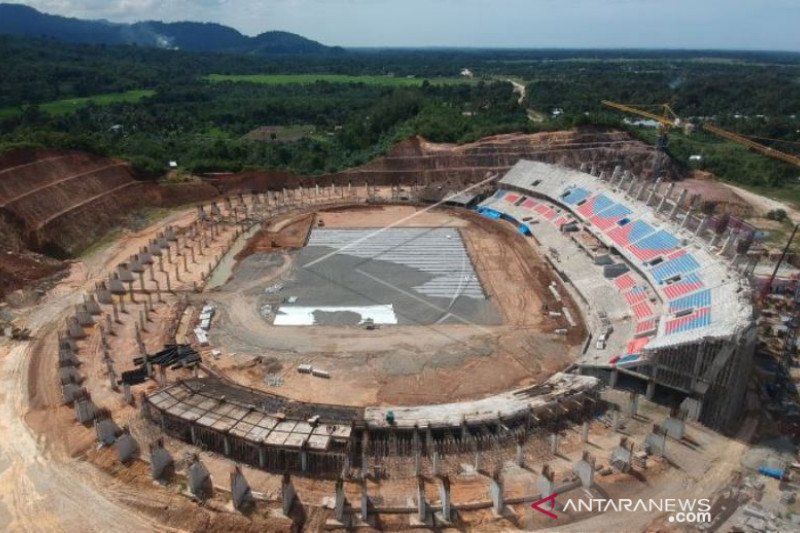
[[508, 23]]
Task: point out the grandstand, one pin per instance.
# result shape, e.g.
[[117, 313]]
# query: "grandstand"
[[667, 310]]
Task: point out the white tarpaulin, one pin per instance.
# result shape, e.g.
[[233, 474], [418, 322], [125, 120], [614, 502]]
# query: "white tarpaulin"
[[291, 315]]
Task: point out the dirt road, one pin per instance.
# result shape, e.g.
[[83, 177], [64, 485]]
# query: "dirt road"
[[42, 488]]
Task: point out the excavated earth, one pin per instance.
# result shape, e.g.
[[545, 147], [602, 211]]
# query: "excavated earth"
[[54, 204]]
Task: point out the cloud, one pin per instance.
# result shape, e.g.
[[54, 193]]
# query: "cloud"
[[741, 24]]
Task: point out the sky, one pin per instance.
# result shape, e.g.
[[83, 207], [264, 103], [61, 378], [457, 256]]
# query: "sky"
[[713, 24]]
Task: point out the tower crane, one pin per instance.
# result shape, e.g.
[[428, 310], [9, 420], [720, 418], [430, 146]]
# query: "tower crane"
[[667, 120]]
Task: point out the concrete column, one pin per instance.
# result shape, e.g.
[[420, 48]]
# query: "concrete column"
[[545, 482], [444, 497], [241, 494], [653, 191], [666, 197], [634, 404], [685, 220], [631, 185], [616, 419], [160, 460], [364, 500], [701, 227], [341, 501], [553, 443], [365, 453], [585, 470], [288, 494], [677, 205], [126, 447], [651, 390], [612, 382], [496, 493], [422, 502], [436, 465], [198, 478], [727, 248], [127, 396], [585, 437], [641, 193], [656, 441]]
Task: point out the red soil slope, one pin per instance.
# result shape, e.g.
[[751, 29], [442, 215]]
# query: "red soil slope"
[[57, 203], [426, 163]]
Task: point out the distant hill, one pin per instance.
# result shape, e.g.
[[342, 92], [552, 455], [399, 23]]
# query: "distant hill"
[[16, 19]]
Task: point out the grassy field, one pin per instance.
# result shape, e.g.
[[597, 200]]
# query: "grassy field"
[[68, 105], [305, 79]]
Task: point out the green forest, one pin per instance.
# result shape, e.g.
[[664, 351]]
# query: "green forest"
[[151, 106]]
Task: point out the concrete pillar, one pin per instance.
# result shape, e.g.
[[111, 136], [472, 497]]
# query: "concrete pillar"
[[675, 426], [612, 382], [553, 443], [622, 455], [126, 447], [677, 205], [545, 483], [429, 439], [198, 478], [727, 248], [288, 494], [365, 453], [616, 418], [446, 515], [160, 460], [666, 197], [584, 469], [685, 220], [364, 501], [656, 441], [436, 465], [651, 390], [112, 376], [496, 493], [340, 502], [631, 185], [701, 227], [422, 502], [127, 396], [241, 494], [653, 191], [633, 404], [585, 437], [641, 193]]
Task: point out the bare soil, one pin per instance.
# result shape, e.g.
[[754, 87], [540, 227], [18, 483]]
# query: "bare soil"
[[404, 365], [289, 236]]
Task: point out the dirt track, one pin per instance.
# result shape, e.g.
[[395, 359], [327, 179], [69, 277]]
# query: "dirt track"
[[405, 364]]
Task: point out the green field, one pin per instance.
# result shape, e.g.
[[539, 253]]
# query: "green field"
[[307, 79], [68, 105]]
